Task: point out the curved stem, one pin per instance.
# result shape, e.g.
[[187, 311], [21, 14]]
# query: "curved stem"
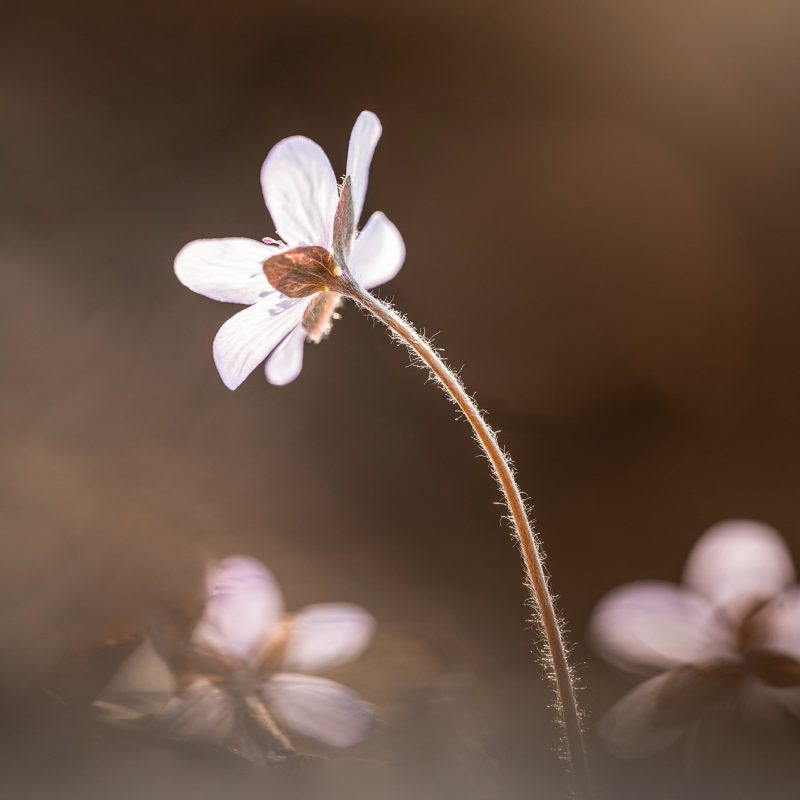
[[555, 654]]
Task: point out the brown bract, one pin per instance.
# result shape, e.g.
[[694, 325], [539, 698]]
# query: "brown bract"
[[302, 271], [773, 668], [343, 225]]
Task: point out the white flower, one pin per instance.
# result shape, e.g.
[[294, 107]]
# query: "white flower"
[[245, 678], [728, 638], [301, 193]]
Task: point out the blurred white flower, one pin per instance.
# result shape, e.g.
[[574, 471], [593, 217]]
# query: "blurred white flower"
[[729, 637], [245, 679], [301, 193]]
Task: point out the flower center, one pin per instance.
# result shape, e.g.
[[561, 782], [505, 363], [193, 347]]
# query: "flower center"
[[245, 681]]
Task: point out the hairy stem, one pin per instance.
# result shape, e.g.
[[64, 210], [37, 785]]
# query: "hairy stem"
[[555, 650]]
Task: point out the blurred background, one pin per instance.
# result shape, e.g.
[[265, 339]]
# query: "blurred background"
[[599, 203]]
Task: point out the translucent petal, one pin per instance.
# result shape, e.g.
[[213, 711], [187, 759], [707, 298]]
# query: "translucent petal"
[[141, 687], [229, 270], [300, 191], [738, 564], [326, 635], [248, 337], [652, 624], [286, 362], [660, 710], [242, 611], [363, 141], [632, 728], [203, 711], [318, 708], [776, 698], [378, 253]]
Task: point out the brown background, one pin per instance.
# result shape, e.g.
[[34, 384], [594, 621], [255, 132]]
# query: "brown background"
[[599, 202]]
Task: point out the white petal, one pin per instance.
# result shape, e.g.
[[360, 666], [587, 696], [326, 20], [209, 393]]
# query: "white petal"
[[655, 624], [378, 252], [634, 728], [285, 364], [243, 610], [141, 687], [229, 270], [300, 191], [318, 708], [326, 635], [738, 564], [248, 337], [203, 711], [363, 141]]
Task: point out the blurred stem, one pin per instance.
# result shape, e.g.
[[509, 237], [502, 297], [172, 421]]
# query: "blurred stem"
[[555, 654], [265, 721]]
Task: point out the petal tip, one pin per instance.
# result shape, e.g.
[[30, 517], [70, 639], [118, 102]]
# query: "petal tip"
[[231, 381], [180, 265], [370, 116], [280, 381]]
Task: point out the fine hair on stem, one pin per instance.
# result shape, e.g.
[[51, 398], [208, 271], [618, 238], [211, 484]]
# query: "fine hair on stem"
[[554, 647]]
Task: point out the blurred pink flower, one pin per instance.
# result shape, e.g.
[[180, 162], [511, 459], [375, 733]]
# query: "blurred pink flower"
[[246, 677], [302, 195], [730, 634]]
